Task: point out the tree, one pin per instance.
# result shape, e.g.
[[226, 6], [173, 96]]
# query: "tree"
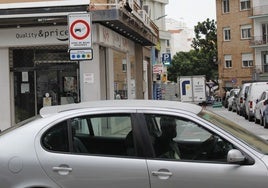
[[200, 60]]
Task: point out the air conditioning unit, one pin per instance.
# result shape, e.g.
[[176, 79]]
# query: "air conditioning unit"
[[147, 9], [144, 16]]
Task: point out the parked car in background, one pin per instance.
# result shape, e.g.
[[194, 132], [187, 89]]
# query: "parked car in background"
[[234, 105], [225, 99], [131, 143], [260, 106], [254, 91], [240, 100], [231, 98], [265, 117], [226, 96]]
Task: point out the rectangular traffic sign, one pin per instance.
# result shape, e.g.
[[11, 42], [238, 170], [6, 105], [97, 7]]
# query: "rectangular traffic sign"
[[79, 26], [166, 58], [77, 55]]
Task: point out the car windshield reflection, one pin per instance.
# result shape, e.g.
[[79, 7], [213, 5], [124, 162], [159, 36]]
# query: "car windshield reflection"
[[239, 132]]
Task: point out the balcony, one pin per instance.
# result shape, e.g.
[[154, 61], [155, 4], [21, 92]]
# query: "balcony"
[[128, 20], [261, 69], [260, 11], [260, 72], [259, 41]]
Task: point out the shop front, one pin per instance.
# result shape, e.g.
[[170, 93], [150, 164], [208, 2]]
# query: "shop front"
[[36, 70], [42, 74]]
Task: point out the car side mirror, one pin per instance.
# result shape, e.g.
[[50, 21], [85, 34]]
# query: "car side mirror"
[[235, 156]]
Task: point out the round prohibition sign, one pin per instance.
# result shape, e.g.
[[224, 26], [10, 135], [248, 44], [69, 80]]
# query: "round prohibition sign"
[[75, 30]]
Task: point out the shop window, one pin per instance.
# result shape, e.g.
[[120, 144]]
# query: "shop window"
[[42, 77], [120, 75], [23, 58]]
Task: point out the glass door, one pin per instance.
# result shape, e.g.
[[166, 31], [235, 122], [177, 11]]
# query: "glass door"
[[24, 95], [56, 84]]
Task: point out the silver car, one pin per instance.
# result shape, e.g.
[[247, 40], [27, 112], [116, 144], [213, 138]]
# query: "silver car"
[[131, 143]]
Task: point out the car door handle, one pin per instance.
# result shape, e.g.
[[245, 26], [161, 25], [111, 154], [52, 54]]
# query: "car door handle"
[[162, 174], [62, 170]]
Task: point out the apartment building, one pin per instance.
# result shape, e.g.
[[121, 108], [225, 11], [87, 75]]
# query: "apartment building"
[[181, 36], [236, 62], [259, 42]]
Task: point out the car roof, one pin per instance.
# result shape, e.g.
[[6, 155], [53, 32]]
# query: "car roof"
[[136, 104]]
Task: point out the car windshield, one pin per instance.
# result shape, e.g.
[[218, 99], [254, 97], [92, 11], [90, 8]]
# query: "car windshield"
[[239, 132]]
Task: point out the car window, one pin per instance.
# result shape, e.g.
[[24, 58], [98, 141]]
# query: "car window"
[[183, 139], [102, 135], [114, 126], [56, 138]]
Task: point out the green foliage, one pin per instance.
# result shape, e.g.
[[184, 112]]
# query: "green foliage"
[[198, 61]]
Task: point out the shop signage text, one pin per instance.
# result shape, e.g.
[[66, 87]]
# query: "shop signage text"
[[55, 35], [61, 35]]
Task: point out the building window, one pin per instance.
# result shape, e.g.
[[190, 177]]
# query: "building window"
[[227, 34], [225, 6], [228, 61], [244, 4], [246, 32], [124, 65], [168, 43], [247, 60]]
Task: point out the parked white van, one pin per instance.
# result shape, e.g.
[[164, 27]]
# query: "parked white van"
[[240, 103], [254, 91]]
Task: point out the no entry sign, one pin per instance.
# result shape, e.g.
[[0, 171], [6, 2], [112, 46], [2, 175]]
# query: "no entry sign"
[[79, 31]]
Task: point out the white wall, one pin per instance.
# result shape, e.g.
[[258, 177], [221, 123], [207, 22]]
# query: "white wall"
[[90, 77], [5, 118], [257, 3]]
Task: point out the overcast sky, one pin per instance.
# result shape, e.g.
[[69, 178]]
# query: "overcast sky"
[[191, 11]]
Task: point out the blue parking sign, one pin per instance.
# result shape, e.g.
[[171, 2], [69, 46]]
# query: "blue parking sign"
[[166, 58]]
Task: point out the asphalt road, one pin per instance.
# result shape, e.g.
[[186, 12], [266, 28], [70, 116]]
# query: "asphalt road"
[[240, 120]]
